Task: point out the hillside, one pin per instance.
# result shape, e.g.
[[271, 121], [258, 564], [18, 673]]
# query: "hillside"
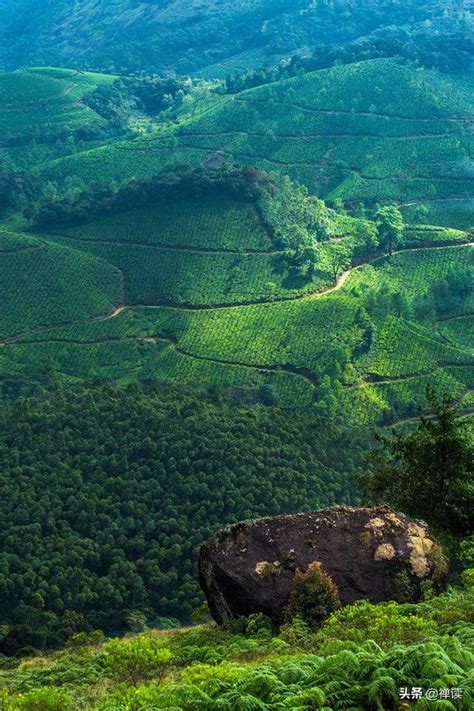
[[357, 660], [376, 131], [236, 281], [44, 104], [190, 283], [184, 36]]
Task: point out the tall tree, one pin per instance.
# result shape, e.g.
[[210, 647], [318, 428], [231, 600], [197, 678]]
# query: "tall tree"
[[367, 234], [390, 226], [429, 472], [339, 259]]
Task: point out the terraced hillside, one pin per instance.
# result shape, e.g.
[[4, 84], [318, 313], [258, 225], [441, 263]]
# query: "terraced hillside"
[[198, 292], [376, 131], [192, 293], [44, 103], [43, 284]]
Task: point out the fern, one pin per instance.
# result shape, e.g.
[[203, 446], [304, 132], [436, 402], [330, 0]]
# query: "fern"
[[236, 701]]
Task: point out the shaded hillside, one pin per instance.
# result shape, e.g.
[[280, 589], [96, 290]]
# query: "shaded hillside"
[[184, 36], [376, 131]]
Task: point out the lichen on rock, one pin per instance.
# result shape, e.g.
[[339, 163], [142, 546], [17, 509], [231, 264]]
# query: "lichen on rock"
[[385, 551], [249, 567]]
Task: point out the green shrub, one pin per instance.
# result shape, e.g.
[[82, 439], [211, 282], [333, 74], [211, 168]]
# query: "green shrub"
[[259, 624], [46, 699], [134, 660], [313, 597], [386, 624]]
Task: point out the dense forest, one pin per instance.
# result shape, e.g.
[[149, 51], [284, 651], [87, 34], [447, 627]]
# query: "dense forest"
[[181, 36], [108, 493]]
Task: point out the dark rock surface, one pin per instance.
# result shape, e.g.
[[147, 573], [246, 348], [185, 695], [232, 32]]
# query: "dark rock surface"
[[370, 553]]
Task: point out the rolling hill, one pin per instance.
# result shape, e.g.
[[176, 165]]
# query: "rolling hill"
[[43, 104], [195, 292], [198, 290], [377, 131], [236, 247]]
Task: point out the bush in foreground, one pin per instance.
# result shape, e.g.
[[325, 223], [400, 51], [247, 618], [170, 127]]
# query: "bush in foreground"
[[358, 659]]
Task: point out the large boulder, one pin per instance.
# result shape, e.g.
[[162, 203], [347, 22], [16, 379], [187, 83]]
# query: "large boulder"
[[370, 553]]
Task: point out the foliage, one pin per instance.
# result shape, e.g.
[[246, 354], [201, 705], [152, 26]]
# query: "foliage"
[[440, 449], [133, 661], [313, 597], [109, 492], [360, 658], [376, 131], [181, 182], [45, 284], [390, 226], [230, 37]]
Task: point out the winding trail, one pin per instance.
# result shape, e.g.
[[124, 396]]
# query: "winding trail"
[[293, 370], [116, 310], [298, 371]]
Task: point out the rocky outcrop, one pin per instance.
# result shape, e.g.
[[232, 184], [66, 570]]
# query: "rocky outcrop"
[[370, 553]]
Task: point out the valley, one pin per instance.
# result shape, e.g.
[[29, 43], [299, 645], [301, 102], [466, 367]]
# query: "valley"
[[236, 282]]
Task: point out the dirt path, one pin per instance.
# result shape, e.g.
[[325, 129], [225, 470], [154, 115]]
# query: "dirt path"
[[117, 310]]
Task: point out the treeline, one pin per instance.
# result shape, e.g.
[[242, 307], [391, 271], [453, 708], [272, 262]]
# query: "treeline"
[[181, 182], [107, 494], [447, 53]]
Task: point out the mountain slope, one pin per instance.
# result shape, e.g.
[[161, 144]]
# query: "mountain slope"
[[185, 35], [374, 131]]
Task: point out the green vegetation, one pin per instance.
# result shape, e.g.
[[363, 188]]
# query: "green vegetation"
[[108, 493], [46, 284], [220, 223], [313, 596], [44, 104], [365, 351], [360, 659], [403, 136], [441, 448], [230, 257], [227, 38]]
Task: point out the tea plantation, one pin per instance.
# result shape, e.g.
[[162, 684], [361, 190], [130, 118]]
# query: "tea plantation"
[[374, 131]]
